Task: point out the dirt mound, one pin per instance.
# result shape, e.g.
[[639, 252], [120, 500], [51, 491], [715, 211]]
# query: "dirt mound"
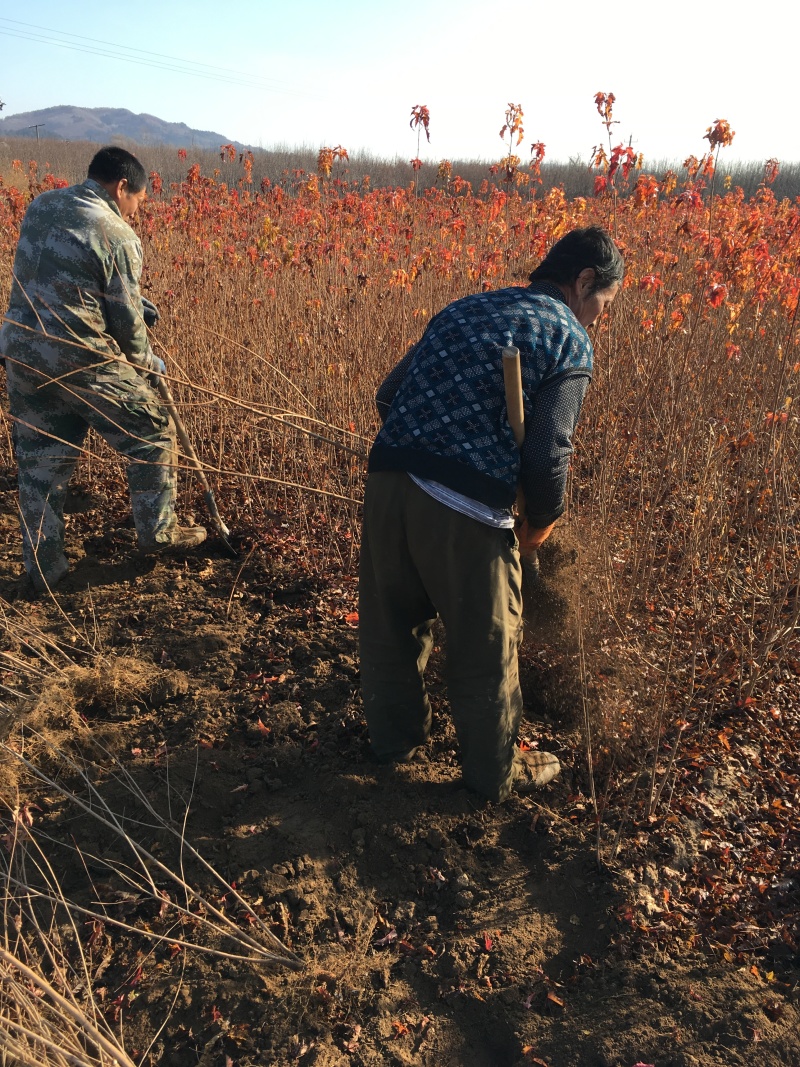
[[77, 708]]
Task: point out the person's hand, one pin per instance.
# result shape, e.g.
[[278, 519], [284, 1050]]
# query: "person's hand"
[[530, 539], [150, 313], [157, 368]]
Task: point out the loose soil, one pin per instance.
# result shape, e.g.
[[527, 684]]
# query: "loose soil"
[[433, 928]]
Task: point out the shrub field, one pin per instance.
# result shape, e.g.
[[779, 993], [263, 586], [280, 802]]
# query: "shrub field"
[[171, 717]]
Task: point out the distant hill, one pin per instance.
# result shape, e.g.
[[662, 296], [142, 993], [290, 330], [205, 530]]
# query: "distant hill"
[[105, 125]]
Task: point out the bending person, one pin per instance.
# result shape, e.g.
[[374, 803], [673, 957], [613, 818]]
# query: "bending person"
[[438, 533]]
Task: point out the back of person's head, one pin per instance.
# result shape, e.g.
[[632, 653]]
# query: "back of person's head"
[[592, 247], [113, 164]]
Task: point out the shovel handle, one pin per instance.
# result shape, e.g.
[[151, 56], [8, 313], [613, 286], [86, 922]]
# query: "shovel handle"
[[188, 448], [512, 378]]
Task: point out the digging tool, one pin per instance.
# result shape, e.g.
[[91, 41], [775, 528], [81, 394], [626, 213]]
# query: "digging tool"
[[188, 448], [512, 377]]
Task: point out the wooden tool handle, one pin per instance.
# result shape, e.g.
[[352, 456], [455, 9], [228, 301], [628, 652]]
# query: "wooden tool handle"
[[512, 376], [211, 503]]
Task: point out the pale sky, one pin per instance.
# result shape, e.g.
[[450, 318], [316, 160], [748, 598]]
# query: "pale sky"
[[349, 72]]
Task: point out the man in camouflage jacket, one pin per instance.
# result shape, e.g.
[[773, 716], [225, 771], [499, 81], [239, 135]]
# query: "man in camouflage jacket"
[[77, 355]]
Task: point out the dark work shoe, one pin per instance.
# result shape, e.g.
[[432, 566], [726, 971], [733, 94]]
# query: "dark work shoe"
[[534, 769], [181, 539], [407, 756], [44, 583], [402, 757]]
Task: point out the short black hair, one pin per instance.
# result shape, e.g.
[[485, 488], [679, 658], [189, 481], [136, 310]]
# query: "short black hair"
[[592, 247], [112, 164]]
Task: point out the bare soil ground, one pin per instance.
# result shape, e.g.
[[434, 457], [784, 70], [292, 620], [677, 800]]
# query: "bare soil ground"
[[434, 929]]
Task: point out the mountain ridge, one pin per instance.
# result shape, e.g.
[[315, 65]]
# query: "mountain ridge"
[[104, 125]]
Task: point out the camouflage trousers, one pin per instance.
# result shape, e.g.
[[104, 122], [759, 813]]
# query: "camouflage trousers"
[[51, 421]]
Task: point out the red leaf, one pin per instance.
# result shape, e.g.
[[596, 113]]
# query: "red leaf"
[[528, 1053]]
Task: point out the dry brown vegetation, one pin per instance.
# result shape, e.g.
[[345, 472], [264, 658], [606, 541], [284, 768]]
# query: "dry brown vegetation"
[[673, 677]]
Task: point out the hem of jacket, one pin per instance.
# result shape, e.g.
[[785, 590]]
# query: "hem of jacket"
[[569, 372], [446, 471]]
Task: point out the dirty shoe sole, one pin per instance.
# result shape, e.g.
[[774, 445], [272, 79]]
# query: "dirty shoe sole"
[[535, 769], [188, 538]]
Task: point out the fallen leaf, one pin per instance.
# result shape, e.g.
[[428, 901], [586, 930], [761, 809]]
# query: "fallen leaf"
[[350, 1046], [387, 940], [773, 1009], [528, 1052], [298, 1048]]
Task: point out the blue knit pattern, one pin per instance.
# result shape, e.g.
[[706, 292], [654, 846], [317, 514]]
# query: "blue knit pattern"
[[452, 401]]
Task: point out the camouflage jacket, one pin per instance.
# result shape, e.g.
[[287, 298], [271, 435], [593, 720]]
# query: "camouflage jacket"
[[75, 300]]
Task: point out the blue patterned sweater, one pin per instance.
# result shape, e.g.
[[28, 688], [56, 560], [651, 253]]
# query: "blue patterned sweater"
[[444, 405]]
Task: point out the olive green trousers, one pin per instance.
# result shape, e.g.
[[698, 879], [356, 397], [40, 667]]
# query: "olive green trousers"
[[420, 559]]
